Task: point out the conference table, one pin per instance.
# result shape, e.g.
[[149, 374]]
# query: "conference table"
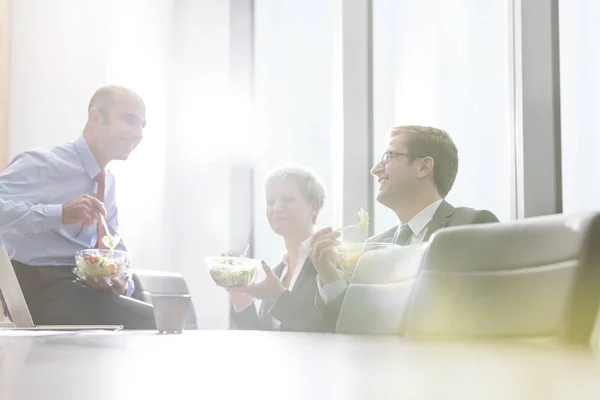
[[280, 365]]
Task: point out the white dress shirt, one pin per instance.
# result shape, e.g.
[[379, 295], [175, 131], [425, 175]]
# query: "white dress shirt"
[[418, 225], [34, 187]]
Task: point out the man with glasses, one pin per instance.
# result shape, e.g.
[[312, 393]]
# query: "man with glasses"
[[415, 174]]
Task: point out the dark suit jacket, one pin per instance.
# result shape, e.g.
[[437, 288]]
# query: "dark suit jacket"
[[445, 216], [296, 309]]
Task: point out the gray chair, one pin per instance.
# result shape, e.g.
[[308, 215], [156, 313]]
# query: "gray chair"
[[379, 290], [521, 279], [374, 309], [148, 282], [581, 321], [383, 266]]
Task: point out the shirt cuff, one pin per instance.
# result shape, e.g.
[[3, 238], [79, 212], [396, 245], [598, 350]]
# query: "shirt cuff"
[[52, 214], [130, 288], [243, 306], [330, 292]]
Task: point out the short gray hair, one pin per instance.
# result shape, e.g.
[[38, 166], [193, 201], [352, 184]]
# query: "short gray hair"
[[309, 182]]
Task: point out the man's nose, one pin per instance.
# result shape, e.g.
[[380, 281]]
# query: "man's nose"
[[377, 168], [138, 133]]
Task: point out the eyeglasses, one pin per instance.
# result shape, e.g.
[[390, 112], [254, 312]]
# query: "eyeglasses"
[[387, 156]]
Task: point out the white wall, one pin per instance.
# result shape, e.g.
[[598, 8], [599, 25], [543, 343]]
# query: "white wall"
[[59, 57]]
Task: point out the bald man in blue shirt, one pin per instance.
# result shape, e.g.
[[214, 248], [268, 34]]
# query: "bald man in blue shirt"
[[50, 209]]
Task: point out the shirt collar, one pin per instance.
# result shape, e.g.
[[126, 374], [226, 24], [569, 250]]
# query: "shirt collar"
[[420, 221], [87, 157], [303, 253]]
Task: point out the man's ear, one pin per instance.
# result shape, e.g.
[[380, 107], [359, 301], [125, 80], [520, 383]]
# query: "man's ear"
[[426, 167], [95, 117]]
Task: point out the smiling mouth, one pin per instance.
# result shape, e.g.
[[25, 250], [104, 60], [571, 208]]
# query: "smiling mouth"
[[133, 145]]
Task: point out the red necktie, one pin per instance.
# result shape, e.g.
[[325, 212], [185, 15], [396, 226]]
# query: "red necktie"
[[101, 180]]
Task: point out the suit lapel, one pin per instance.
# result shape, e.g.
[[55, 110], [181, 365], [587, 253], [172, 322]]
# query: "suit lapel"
[[278, 270], [440, 219], [304, 287], [265, 319], [306, 276]]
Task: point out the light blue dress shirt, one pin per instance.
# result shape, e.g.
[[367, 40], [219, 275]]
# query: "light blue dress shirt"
[[33, 189]]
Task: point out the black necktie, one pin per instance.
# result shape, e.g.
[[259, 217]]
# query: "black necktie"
[[404, 236]]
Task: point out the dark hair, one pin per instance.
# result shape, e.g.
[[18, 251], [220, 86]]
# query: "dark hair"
[[422, 141]]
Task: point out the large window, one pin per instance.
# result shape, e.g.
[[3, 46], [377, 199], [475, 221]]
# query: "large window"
[[447, 64], [580, 104], [294, 97]]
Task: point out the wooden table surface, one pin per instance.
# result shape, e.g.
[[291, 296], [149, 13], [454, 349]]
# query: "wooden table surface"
[[278, 365]]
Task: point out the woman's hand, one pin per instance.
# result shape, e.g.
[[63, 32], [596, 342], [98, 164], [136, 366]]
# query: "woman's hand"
[[269, 288], [322, 256], [241, 301]]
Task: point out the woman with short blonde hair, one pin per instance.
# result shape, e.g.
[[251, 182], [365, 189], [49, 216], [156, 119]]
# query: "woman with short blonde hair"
[[294, 196]]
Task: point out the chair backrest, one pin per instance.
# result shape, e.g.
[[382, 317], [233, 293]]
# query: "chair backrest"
[[509, 280], [582, 320], [374, 309], [148, 282], [379, 290], [391, 265]]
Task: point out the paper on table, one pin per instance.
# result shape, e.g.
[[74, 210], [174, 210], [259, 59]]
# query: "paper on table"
[[11, 332], [16, 332]]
